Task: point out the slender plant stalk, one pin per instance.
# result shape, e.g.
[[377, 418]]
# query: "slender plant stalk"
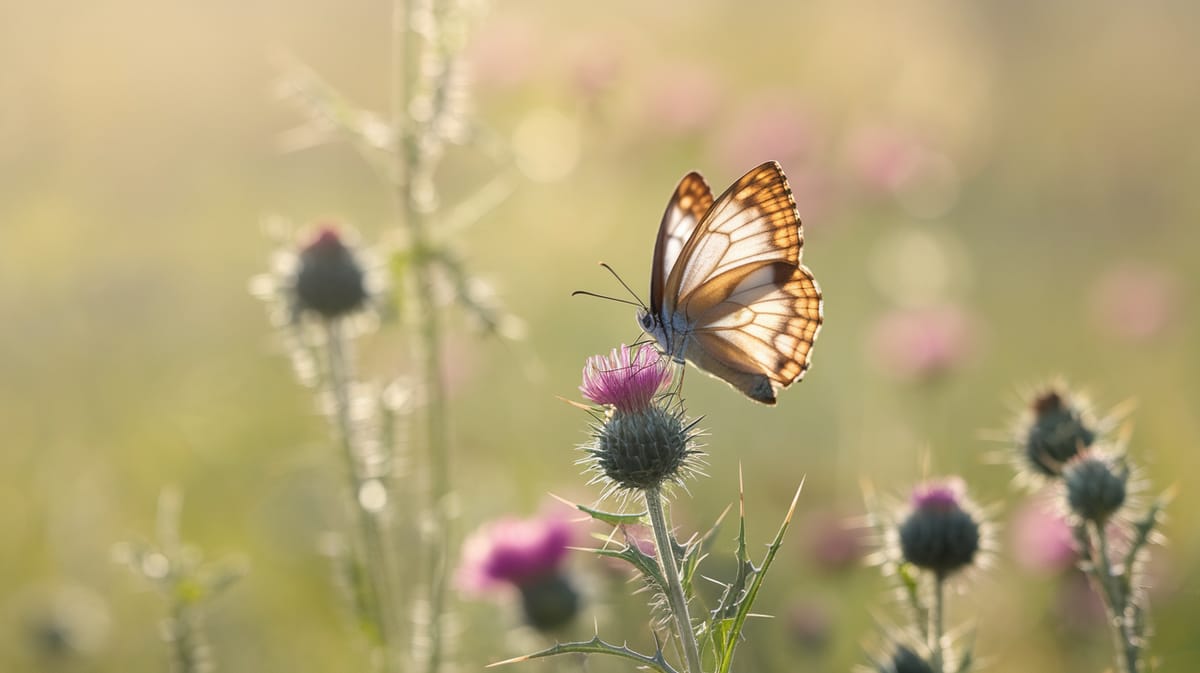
[[427, 345], [372, 528], [189, 648], [1116, 602], [937, 625], [676, 599]]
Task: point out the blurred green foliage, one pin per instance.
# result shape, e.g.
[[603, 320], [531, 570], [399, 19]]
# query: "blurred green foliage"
[[1032, 165]]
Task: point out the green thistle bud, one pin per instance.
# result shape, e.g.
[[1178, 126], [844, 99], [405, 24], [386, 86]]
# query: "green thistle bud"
[[1096, 488], [642, 449]]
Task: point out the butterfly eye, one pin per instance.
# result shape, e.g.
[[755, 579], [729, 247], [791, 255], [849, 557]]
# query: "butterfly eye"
[[646, 320]]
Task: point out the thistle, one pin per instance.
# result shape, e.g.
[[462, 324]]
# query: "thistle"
[[1090, 476], [939, 535], [642, 443], [526, 555]]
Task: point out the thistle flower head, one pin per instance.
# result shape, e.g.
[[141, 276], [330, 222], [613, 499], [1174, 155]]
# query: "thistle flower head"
[[905, 660], [329, 280], [1096, 486], [627, 379], [1057, 426], [640, 441], [317, 278], [940, 533], [512, 551], [527, 555]]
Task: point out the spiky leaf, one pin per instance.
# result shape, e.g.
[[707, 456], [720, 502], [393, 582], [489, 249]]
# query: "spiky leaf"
[[597, 646]]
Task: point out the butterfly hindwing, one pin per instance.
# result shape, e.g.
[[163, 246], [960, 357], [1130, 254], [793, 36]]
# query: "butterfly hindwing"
[[766, 321]]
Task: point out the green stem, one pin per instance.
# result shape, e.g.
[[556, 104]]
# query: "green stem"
[[427, 345], [676, 599], [372, 548], [1116, 602], [937, 625]]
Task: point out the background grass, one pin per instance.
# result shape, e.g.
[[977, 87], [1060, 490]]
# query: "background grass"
[[138, 154]]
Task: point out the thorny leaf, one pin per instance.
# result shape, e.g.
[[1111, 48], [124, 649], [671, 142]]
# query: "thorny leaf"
[[729, 618], [597, 646]]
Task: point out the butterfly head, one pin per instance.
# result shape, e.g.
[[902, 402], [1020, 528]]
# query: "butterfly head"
[[647, 321]]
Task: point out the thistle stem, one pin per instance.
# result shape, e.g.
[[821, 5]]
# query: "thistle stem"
[[372, 545], [427, 345], [937, 625], [676, 599], [1116, 603]]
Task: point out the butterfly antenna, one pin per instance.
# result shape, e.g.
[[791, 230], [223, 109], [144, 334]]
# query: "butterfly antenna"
[[603, 296], [623, 284]]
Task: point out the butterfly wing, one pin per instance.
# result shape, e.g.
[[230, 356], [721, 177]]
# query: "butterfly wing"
[[755, 326], [685, 210], [755, 220], [753, 310]]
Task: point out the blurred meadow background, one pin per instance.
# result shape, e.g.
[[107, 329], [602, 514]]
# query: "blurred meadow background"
[[993, 194]]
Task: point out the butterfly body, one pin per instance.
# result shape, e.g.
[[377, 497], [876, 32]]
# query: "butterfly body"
[[727, 290]]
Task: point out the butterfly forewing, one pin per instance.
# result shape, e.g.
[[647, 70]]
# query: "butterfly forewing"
[[685, 210], [755, 220]]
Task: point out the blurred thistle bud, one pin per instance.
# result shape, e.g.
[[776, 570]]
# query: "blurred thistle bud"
[[940, 534], [528, 555], [549, 602], [1058, 429], [640, 442], [905, 660], [1096, 486], [329, 279]]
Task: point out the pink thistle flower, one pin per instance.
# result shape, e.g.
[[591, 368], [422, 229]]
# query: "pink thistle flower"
[[514, 552], [939, 495], [626, 379], [941, 534]]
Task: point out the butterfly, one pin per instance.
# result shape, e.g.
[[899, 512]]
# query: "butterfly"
[[727, 290]]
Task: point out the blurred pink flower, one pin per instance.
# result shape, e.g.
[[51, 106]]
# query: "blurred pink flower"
[[832, 542], [884, 159], [1134, 302], [595, 67], [503, 53], [512, 552], [923, 344], [773, 128], [1041, 539], [681, 98]]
